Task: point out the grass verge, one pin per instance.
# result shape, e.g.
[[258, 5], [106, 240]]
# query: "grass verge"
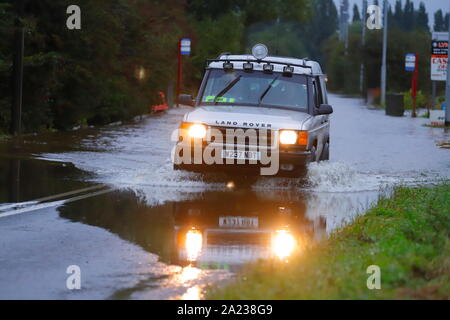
[[407, 236]]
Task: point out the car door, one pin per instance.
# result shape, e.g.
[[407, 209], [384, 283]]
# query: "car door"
[[326, 118], [320, 122]]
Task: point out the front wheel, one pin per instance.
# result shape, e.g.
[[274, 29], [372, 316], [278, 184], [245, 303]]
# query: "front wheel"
[[325, 152]]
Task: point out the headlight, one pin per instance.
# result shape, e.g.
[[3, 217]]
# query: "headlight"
[[197, 131], [288, 137]]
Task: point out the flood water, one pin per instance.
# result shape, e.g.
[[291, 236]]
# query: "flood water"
[[119, 179]]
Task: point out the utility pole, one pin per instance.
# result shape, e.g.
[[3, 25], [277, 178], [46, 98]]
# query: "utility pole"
[[447, 85], [343, 25], [383, 62], [17, 70], [179, 73], [363, 43]]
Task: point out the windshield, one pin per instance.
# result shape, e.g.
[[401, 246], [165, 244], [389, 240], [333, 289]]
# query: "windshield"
[[255, 89]]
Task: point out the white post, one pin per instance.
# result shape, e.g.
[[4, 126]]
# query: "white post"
[[363, 41], [447, 86], [383, 62]]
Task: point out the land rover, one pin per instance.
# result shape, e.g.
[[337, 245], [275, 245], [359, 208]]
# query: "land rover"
[[256, 111]]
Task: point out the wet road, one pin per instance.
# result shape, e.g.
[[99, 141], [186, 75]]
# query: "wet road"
[[108, 201]]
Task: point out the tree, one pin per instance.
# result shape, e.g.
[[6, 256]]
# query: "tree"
[[89, 76], [322, 25], [356, 15], [438, 21], [397, 18], [422, 17], [223, 25], [408, 21], [446, 21], [252, 11]]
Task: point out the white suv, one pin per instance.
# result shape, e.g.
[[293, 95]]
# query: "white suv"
[[256, 112]]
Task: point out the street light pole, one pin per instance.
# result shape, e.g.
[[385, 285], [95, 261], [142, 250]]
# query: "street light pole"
[[447, 86], [383, 62], [363, 43]]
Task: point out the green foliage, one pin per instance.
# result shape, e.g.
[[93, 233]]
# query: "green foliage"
[[344, 72], [224, 34], [421, 100], [90, 75], [252, 11], [440, 23], [283, 38], [322, 25], [234, 26], [74, 77]]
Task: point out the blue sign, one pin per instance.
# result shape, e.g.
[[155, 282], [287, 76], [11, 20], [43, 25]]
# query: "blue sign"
[[185, 46], [410, 62]]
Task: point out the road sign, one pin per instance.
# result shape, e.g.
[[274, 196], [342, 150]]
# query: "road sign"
[[437, 117], [439, 56], [184, 49], [410, 62], [185, 46], [439, 68]]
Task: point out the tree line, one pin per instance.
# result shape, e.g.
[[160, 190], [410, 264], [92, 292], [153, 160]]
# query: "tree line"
[[408, 32], [126, 51]]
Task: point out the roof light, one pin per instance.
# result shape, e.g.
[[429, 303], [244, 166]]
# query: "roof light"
[[288, 70], [227, 66], [247, 66], [268, 68], [259, 51]]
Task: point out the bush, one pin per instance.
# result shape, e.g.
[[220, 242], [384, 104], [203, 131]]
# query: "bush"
[[421, 100]]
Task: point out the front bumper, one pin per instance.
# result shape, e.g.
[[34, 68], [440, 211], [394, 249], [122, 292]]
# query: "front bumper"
[[290, 160]]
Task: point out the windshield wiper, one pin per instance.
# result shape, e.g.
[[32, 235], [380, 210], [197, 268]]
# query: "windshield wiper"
[[227, 88], [267, 90]]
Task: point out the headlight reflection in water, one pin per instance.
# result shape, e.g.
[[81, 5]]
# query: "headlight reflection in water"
[[283, 244], [193, 244]]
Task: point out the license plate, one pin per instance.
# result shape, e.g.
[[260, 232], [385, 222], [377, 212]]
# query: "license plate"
[[241, 155], [238, 222]]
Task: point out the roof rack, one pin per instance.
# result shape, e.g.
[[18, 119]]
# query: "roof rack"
[[208, 61], [223, 54]]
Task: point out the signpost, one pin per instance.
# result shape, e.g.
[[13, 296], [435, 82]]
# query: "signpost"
[[447, 87], [412, 65], [184, 48], [439, 56]]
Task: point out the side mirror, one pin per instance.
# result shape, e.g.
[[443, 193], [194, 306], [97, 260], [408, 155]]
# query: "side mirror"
[[324, 109], [186, 99]]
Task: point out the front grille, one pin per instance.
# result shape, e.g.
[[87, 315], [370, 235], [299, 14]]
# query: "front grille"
[[253, 137]]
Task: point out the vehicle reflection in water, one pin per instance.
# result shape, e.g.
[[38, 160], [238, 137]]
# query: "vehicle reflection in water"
[[220, 230]]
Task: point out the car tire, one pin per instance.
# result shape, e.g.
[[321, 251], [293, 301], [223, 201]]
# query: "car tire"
[[313, 154], [325, 152]]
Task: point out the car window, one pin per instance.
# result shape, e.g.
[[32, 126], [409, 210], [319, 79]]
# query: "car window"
[[315, 94], [255, 88], [324, 90]]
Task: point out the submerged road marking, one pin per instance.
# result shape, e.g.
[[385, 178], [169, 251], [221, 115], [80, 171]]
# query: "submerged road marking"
[[56, 203], [59, 195]]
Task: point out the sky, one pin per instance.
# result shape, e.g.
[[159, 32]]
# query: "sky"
[[431, 5]]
